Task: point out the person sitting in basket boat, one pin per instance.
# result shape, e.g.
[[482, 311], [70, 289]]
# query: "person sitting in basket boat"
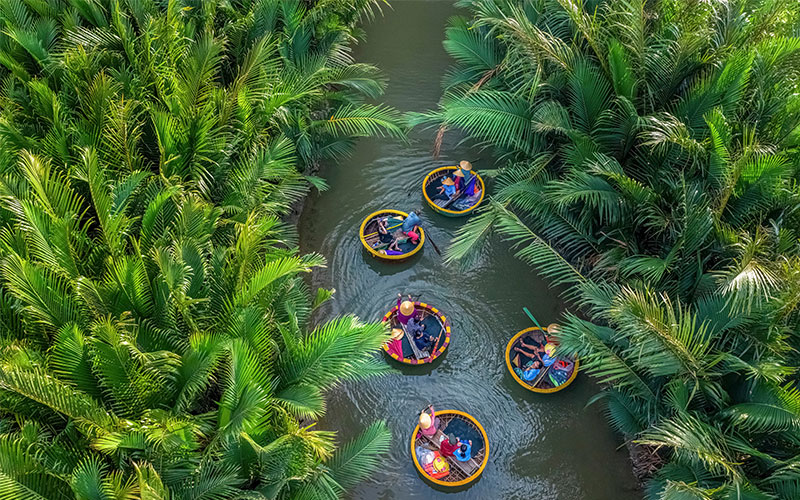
[[446, 191], [469, 200], [397, 238], [422, 340], [549, 356], [465, 168], [449, 445], [410, 227], [410, 222], [405, 309], [384, 237], [530, 370], [464, 452], [530, 351], [393, 240], [395, 344], [428, 422], [470, 179], [458, 180]]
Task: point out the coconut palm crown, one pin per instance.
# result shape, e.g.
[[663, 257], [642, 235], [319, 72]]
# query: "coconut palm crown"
[[156, 338], [649, 167]]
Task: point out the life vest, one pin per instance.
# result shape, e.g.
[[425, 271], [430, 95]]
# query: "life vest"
[[438, 467]]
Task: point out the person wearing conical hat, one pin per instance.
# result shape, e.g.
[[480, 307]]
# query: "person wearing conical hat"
[[465, 168], [405, 309], [458, 179], [395, 343], [470, 180], [470, 199], [428, 422], [447, 190]]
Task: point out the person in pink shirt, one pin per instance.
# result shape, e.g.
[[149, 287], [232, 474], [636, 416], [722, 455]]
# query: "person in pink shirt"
[[405, 309], [395, 345], [428, 423]]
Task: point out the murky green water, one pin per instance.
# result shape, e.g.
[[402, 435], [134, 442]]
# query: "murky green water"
[[542, 446]]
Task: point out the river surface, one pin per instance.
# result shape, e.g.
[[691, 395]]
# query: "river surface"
[[541, 446]]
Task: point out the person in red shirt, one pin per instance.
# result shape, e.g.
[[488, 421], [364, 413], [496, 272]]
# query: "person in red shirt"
[[449, 446]]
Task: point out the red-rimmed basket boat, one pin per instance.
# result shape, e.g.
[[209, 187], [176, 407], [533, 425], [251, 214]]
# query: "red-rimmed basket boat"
[[437, 325]]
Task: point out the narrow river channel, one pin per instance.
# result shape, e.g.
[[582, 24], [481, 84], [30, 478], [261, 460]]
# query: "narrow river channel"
[[542, 446]]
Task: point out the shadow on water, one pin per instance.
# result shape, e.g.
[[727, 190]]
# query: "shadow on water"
[[542, 445], [387, 268]]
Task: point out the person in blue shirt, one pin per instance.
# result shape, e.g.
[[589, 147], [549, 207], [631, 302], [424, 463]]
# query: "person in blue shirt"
[[447, 190], [422, 340], [410, 222], [530, 371], [464, 451]]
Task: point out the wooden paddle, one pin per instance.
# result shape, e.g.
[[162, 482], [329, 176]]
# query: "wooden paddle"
[[441, 331], [541, 375], [525, 309], [376, 232]]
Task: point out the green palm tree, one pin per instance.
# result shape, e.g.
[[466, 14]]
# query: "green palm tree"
[[650, 168], [156, 336], [169, 351]]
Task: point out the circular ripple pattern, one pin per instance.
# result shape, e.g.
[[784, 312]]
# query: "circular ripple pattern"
[[548, 446]]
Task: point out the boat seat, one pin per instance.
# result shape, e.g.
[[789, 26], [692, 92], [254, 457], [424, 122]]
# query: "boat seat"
[[469, 467], [417, 353]]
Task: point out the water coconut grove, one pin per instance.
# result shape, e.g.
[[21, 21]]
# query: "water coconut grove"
[[324, 249]]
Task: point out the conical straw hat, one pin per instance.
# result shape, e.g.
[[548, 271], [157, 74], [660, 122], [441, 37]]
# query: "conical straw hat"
[[425, 420], [448, 181], [397, 333], [407, 308], [465, 165]]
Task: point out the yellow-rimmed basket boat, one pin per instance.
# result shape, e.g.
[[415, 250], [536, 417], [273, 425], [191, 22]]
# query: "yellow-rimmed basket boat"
[[429, 188], [465, 427], [544, 382], [369, 236], [436, 324]]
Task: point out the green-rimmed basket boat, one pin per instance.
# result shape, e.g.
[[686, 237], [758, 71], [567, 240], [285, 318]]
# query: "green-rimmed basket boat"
[[368, 234], [465, 427], [543, 383], [434, 179]]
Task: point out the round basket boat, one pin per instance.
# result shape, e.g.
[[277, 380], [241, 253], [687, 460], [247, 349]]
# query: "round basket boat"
[[405, 350], [455, 473], [430, 187], [369, 236], [552, 378]]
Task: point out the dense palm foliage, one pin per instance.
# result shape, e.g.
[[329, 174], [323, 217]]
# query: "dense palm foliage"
[[651, 169], [155, 336]]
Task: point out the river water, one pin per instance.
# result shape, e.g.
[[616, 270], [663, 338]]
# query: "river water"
[[541, 446]]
